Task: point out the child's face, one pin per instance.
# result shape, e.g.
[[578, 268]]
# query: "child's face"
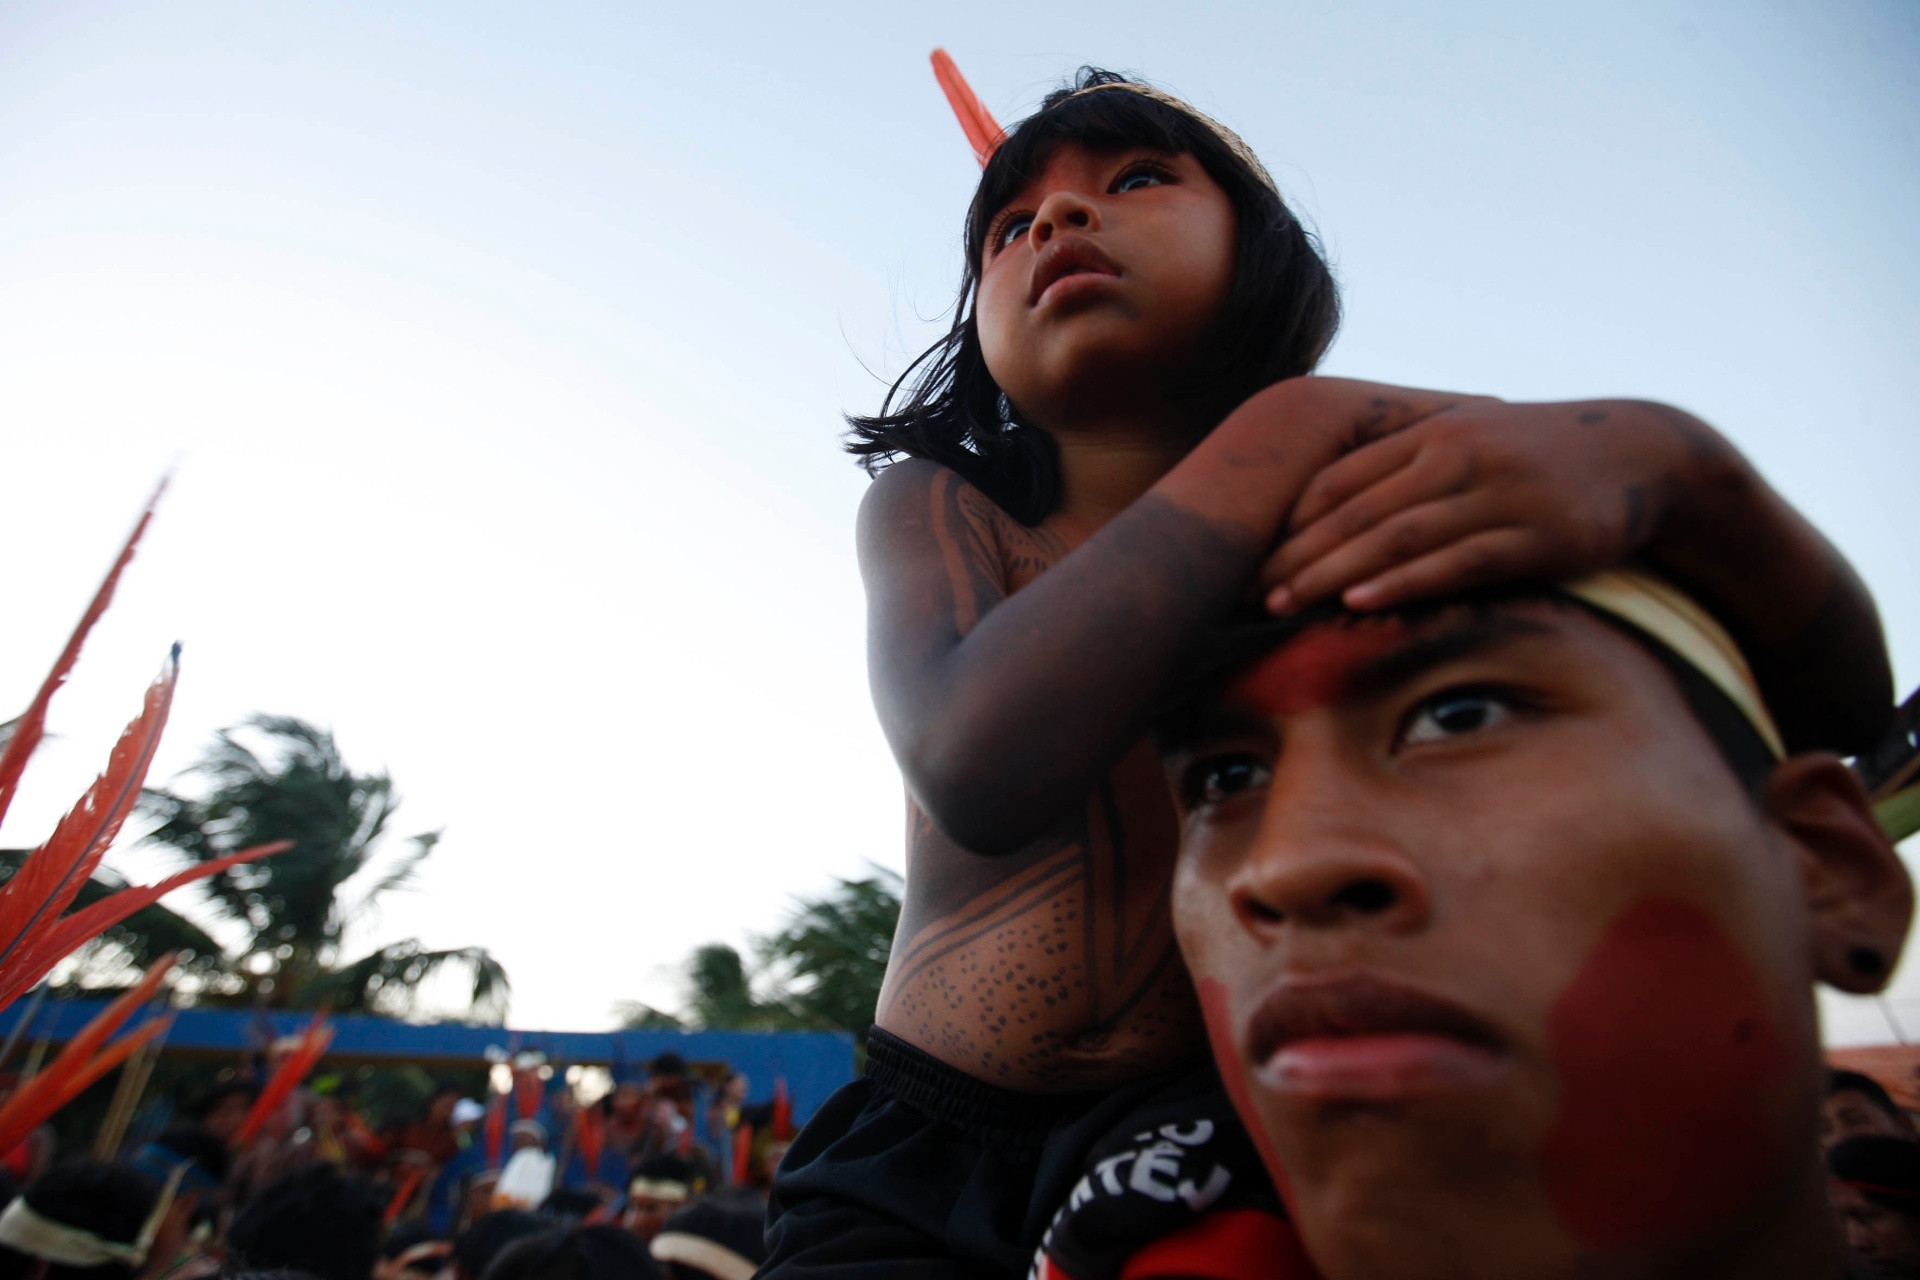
[[1098, 281], [1493, 946]]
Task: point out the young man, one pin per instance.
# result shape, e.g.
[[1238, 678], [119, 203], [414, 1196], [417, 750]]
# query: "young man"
[[1505, 915]]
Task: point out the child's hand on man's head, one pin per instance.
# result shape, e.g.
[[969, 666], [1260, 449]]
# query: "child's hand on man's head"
[[1484, 492]]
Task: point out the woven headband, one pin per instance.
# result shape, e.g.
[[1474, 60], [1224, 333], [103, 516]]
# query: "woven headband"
[[39, 1236], [986, 135], [1654, 606]]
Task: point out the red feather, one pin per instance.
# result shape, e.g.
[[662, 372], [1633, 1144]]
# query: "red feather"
[[71, 932], [527, 1093], [983, 133], [496, 1131], [590, 1136], [52, 874], [742, 1154], [782, 1110], [33, 723], [287, 1076], [409, 1183], [76, 1067]]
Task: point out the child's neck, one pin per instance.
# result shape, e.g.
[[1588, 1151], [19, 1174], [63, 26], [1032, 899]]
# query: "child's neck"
[[1103, 471]]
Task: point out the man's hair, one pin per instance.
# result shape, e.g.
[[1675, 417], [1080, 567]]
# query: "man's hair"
[[107, 1200], [667, 1064], [1280, 315], [191, 1142], [735, 1223], [1236, 647], [577, 1253], [317, 1220], [1884, 1170], [1840, 1080], [482, 1242]]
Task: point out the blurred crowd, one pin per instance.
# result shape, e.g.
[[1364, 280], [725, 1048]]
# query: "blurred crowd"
[[665, 1175], [1872, 1149]]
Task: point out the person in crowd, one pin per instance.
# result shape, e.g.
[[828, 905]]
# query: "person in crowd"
[[84, 1218], [574, 1253], [195, 1164], [433, 1132], [721, 1238], [1876, 1191], [1113, 445], [1857, 1105], [661, 1186], [627, 1115], [223, 1108], [1505, 914], [489, 1236], [412, 1250], [318, 1220]]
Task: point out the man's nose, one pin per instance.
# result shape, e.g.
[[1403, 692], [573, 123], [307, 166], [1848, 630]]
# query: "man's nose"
[[1063, 210], [1323, 861]]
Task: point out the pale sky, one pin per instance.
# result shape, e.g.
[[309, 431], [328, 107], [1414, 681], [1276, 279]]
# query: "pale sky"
[[500, 351]]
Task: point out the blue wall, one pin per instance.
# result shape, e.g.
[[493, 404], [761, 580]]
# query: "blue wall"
[[814, 1063]]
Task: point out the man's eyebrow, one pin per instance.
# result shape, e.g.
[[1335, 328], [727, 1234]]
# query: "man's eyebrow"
[[1408, 662]]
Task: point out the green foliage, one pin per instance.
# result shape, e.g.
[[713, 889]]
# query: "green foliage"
[[294, 907], [821, 971], [831, 957]]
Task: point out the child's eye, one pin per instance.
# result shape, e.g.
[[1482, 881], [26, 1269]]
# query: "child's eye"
[[1455, 713], [1011, 229], [1141, 176], [1217, 778]]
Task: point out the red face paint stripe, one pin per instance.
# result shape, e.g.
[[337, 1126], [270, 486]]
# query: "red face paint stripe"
[[1667, 1053], [1311, 670], [1216, 1010]]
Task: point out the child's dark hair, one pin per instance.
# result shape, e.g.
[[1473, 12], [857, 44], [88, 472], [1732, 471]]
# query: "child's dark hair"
[[316, 1220], [1279, 318]]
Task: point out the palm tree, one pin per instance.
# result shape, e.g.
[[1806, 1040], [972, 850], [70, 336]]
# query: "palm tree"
[[830, 958], [294, 907]]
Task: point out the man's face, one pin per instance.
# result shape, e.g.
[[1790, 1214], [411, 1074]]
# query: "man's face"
[[1848, 1113], [1887, 1242], [1495, 951]]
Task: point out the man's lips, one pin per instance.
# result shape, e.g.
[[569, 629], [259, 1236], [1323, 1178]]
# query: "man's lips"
[[1363, 1037], [1068, 256]]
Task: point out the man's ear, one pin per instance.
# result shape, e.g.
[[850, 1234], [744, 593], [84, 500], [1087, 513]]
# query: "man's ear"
[[1859, 896]]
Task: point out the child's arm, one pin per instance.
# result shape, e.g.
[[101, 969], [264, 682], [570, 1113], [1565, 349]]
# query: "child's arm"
[[1004, 711], [1490, 492]]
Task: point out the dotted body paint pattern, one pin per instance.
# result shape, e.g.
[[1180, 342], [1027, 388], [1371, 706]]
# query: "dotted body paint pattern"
[[1666, 1052]]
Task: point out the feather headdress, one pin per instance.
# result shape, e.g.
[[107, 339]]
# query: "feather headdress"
[[286, 1077]]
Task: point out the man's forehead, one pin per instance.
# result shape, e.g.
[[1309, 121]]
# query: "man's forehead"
[[1332, 660]]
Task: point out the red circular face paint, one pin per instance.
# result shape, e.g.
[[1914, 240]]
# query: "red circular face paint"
[[1667, 1053], [1311, 670]]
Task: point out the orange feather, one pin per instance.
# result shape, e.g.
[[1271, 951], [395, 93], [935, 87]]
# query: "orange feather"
[[52, 875], [287, 1076], [983, 133], [33, 723], [47, 1092], [71, 932]]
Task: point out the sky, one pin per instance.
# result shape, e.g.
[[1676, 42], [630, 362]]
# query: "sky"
[[499, 353]]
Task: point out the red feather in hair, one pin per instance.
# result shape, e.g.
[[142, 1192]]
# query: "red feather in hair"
[[782, 1110], [77, 1066], [496, 1130], [32, 725], [590, 1136], [983, 133]]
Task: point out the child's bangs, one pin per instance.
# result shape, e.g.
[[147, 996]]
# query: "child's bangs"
[[1101, 122]]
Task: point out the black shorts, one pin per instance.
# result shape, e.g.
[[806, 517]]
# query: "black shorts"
[[919, 1169]]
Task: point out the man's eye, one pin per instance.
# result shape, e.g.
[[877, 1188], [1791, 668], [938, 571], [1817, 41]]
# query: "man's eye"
[[1451, 714], [1215, 779], [1012, 229]]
